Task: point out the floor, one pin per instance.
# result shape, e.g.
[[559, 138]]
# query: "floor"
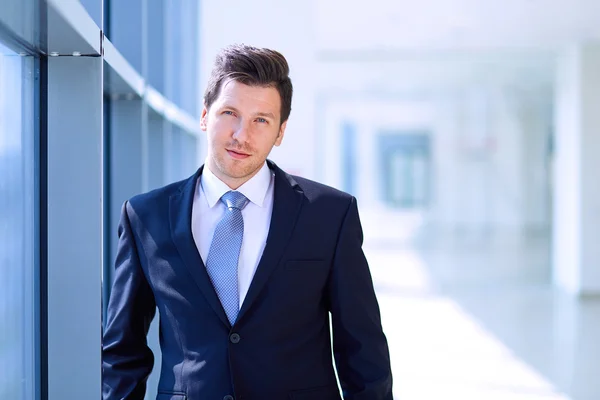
[[479, 319]]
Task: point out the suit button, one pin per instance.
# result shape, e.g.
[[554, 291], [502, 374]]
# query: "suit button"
[[234, 338], [228, 397]]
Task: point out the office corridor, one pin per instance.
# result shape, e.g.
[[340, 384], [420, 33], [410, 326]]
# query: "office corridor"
[[481, 321]]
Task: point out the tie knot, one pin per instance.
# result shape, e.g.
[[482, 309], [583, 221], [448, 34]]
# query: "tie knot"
[[234, 200]]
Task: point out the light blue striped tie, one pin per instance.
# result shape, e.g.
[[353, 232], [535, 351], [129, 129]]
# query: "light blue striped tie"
[[224, 253]]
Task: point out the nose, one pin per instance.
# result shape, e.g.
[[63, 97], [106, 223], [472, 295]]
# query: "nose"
[[241, 132]]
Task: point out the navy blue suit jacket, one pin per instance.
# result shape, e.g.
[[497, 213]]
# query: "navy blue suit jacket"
[[280, 346]]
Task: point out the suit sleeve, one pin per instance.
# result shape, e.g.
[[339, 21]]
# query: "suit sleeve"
[[126, 358], [359, 344]]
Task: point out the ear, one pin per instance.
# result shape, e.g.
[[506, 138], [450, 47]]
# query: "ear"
[[280, 134], [203, 119]]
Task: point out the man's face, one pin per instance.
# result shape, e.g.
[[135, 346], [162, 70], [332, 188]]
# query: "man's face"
[[242, 126]]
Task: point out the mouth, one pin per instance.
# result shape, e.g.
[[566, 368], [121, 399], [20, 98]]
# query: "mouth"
[[237, 155]]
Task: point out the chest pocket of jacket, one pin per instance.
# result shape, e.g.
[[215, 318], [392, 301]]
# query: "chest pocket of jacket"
[[306, 277], [306, 265]]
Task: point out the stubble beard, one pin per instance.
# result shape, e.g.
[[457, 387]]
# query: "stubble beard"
[[235, 169]]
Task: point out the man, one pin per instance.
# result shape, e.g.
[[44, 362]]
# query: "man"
[[244, 263]]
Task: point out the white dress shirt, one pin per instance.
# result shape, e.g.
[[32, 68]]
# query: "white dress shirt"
[[207, 211]]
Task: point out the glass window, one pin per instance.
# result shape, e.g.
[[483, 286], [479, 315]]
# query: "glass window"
[[18, 221], [21, 17]]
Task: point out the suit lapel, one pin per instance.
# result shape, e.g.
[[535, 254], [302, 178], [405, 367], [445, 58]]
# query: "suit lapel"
[[180, 214], [287, 203]]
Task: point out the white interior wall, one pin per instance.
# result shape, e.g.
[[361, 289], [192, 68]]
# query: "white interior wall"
[[476, 190], [577, 197]]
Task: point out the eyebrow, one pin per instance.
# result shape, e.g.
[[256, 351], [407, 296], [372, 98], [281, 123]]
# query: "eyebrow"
[[268, 115], [258, 114]]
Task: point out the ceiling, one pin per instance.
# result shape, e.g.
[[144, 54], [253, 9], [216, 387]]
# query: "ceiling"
[[425, 25], [414, 46]]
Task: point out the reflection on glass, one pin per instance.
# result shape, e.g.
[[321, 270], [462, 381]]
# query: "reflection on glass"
[[20, 17], [17, 228]]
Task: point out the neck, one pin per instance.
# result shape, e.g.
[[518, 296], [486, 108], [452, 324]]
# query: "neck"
[[232, 182]]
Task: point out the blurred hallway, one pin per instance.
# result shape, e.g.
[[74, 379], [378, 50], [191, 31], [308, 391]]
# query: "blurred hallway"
[[480, 320], [466, 129]]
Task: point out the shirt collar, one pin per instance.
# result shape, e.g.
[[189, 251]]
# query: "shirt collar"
[[255, 189]]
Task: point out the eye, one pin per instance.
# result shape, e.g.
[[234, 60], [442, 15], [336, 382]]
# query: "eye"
[[228, 113], [262, 120]]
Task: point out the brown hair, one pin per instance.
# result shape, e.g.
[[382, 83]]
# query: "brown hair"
[[254, 67]]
